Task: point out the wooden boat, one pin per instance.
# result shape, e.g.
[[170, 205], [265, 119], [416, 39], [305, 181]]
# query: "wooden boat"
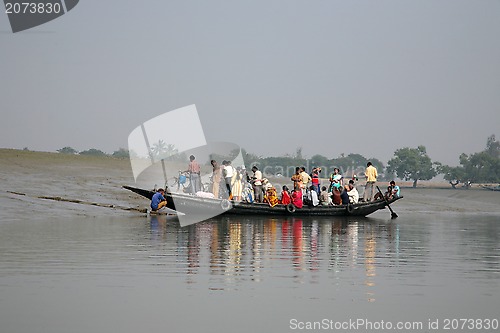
[[491, 188], [189, 204]]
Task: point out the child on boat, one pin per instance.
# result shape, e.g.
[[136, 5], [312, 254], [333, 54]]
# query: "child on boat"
[[285, 196]]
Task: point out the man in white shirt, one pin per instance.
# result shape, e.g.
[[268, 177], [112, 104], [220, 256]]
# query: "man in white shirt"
[[228, 176], [353, 192], [313, 196], [257, 184]]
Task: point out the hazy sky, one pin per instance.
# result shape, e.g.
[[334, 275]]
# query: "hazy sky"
[[334, 77]]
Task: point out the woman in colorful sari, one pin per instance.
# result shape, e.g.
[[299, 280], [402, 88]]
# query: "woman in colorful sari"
[[297, 198], [336, 178], [236, 185], [297, 179]]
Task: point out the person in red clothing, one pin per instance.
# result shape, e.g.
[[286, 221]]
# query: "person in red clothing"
[[285, 196], [297, 198], [315, 179], [337, 200]]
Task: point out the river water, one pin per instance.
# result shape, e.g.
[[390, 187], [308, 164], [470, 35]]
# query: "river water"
[[436, 264]]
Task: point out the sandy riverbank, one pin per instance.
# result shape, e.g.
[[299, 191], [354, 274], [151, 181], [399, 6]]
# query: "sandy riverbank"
[[85, 178]]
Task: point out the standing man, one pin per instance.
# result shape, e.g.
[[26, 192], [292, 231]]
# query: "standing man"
[[257, 184], [158, 200], [194, 174], [228, 177], [305, 179], [371, 177]]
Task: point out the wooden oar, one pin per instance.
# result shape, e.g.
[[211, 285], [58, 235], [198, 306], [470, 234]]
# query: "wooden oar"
[[393, 215]]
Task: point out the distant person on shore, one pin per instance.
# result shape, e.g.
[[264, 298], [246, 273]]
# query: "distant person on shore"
[[371, 178], [396, 191], [158, 200]]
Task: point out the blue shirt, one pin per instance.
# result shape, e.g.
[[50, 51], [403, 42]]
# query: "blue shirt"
[[396, 191], [157, 198], [345, 197]]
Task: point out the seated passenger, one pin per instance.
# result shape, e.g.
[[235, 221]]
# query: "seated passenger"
[[285, 196], [297, 198], [387, 194], [336, 199], [313, 196], [266, 185], [324, 197], [396, 191], [271, 197], [344, 196], [353, 193]]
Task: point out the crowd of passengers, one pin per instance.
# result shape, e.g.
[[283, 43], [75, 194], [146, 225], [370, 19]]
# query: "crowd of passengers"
[[236, 184]]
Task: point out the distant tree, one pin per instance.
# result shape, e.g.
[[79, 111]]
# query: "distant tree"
[[493, 147], [161, 149], [454, 175], [298, 153], [481, 167], [355, 162], [478, 167], [412, 164], [121, 153], [26, 149], [93, 152], [249, 158], [351, 161], [320, 161], [67, 150]]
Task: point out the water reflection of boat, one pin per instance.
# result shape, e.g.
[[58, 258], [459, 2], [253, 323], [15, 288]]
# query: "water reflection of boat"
[[184, 202]]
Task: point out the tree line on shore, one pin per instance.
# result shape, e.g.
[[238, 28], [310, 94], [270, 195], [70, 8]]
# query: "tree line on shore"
[[409, 164], [120, 153]]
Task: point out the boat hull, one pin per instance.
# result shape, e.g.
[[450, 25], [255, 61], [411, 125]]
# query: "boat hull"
[[192, 204]]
